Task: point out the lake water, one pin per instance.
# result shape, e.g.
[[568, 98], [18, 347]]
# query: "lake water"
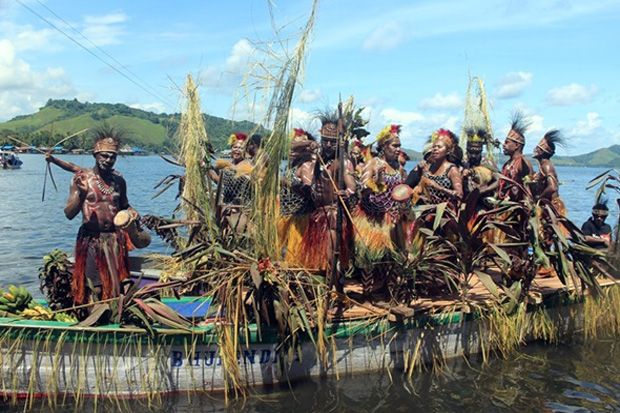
[[568, 378]]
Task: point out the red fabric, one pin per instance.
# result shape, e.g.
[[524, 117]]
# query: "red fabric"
[[112, 267], [316, 248]]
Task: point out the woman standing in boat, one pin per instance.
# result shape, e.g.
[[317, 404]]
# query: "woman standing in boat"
[[441, 178], [377, 217], [101, 248]]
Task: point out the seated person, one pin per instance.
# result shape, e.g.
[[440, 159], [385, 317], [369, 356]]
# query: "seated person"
[[597, 232]]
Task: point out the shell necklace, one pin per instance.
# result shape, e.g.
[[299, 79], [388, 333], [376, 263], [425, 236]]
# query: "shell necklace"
[[103, 187]]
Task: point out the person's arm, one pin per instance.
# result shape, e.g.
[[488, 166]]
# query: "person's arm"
[[77, 195], [67, 166], [349, 180], [414, 177], [457, 183], [490, 189], [123, 202]]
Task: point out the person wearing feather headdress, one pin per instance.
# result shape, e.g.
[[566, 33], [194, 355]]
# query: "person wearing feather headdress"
[[378, 215], [234, 192], [357, 155], [318, 183], [295, 202], [478, 172], [518, 167], [546, 179], [441, 179], [101, 248]]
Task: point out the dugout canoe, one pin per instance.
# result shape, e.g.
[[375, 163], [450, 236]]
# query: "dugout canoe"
[[54, 359]]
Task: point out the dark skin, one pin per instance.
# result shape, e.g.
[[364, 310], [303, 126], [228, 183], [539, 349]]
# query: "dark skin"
[[514, 150], [321, 187], [598, 219], [97, 214], [474, 159], [438, 165], [547, 170], [389, 159]]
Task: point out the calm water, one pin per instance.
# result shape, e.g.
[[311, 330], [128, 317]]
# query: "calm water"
[[568, 378]]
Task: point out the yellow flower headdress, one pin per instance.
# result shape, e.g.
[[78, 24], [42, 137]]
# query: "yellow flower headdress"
[[389, 132]]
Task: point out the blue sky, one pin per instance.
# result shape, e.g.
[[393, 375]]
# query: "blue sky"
[[407, 61]]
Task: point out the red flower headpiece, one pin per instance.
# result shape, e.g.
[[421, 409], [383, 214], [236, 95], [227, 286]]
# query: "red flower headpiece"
[[236, 137], [395, 129]]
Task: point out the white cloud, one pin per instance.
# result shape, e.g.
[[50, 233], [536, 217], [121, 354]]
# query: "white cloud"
[[24, 90], [226, 76], [385, 37], [240, 56], [156, 107], [571, 94], [391, 115], [106, 29], [513, 84], [310, 95], [587, 127], [301, 119], [25, 37], [442, 102], [416, 127]]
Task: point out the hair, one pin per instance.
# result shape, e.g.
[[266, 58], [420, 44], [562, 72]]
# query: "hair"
[[106, 131], [327, 115], [601, 205], [257, 140], [520, 123], [554, 138]]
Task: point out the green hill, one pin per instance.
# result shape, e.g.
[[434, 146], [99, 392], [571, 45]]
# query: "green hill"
[[155, 132], [604, 157]]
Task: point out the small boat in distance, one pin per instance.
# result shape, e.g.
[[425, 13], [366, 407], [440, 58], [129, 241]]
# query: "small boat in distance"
[[9, 160]]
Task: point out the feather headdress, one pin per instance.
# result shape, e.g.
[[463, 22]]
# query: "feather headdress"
[[518, 127], [389, 132], [551, 139]]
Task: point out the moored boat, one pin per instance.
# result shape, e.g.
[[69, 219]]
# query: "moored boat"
[[9, 160], [53, 359]]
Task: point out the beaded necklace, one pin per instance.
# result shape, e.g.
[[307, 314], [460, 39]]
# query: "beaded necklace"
[[103, 187]]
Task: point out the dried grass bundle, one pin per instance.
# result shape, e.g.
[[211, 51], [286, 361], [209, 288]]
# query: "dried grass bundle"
[[267, 172], [194, 141]]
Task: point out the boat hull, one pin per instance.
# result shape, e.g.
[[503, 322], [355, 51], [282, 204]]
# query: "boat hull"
[[50, 361]]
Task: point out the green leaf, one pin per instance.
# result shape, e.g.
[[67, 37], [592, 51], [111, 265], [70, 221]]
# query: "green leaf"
[[502, 254], [488, 282], [99, 310], [439, 214]]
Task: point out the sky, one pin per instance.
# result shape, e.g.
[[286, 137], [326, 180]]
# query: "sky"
[[406, 62]]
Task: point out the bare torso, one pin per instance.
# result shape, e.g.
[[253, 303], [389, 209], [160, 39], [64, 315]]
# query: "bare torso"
[[99, 199]]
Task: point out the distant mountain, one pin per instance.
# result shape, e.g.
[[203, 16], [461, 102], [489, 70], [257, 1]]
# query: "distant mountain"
[[152, 131], [604, 157]]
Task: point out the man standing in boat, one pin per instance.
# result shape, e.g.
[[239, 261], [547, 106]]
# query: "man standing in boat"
[[518, 166], [101, 248], [318, 182]]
